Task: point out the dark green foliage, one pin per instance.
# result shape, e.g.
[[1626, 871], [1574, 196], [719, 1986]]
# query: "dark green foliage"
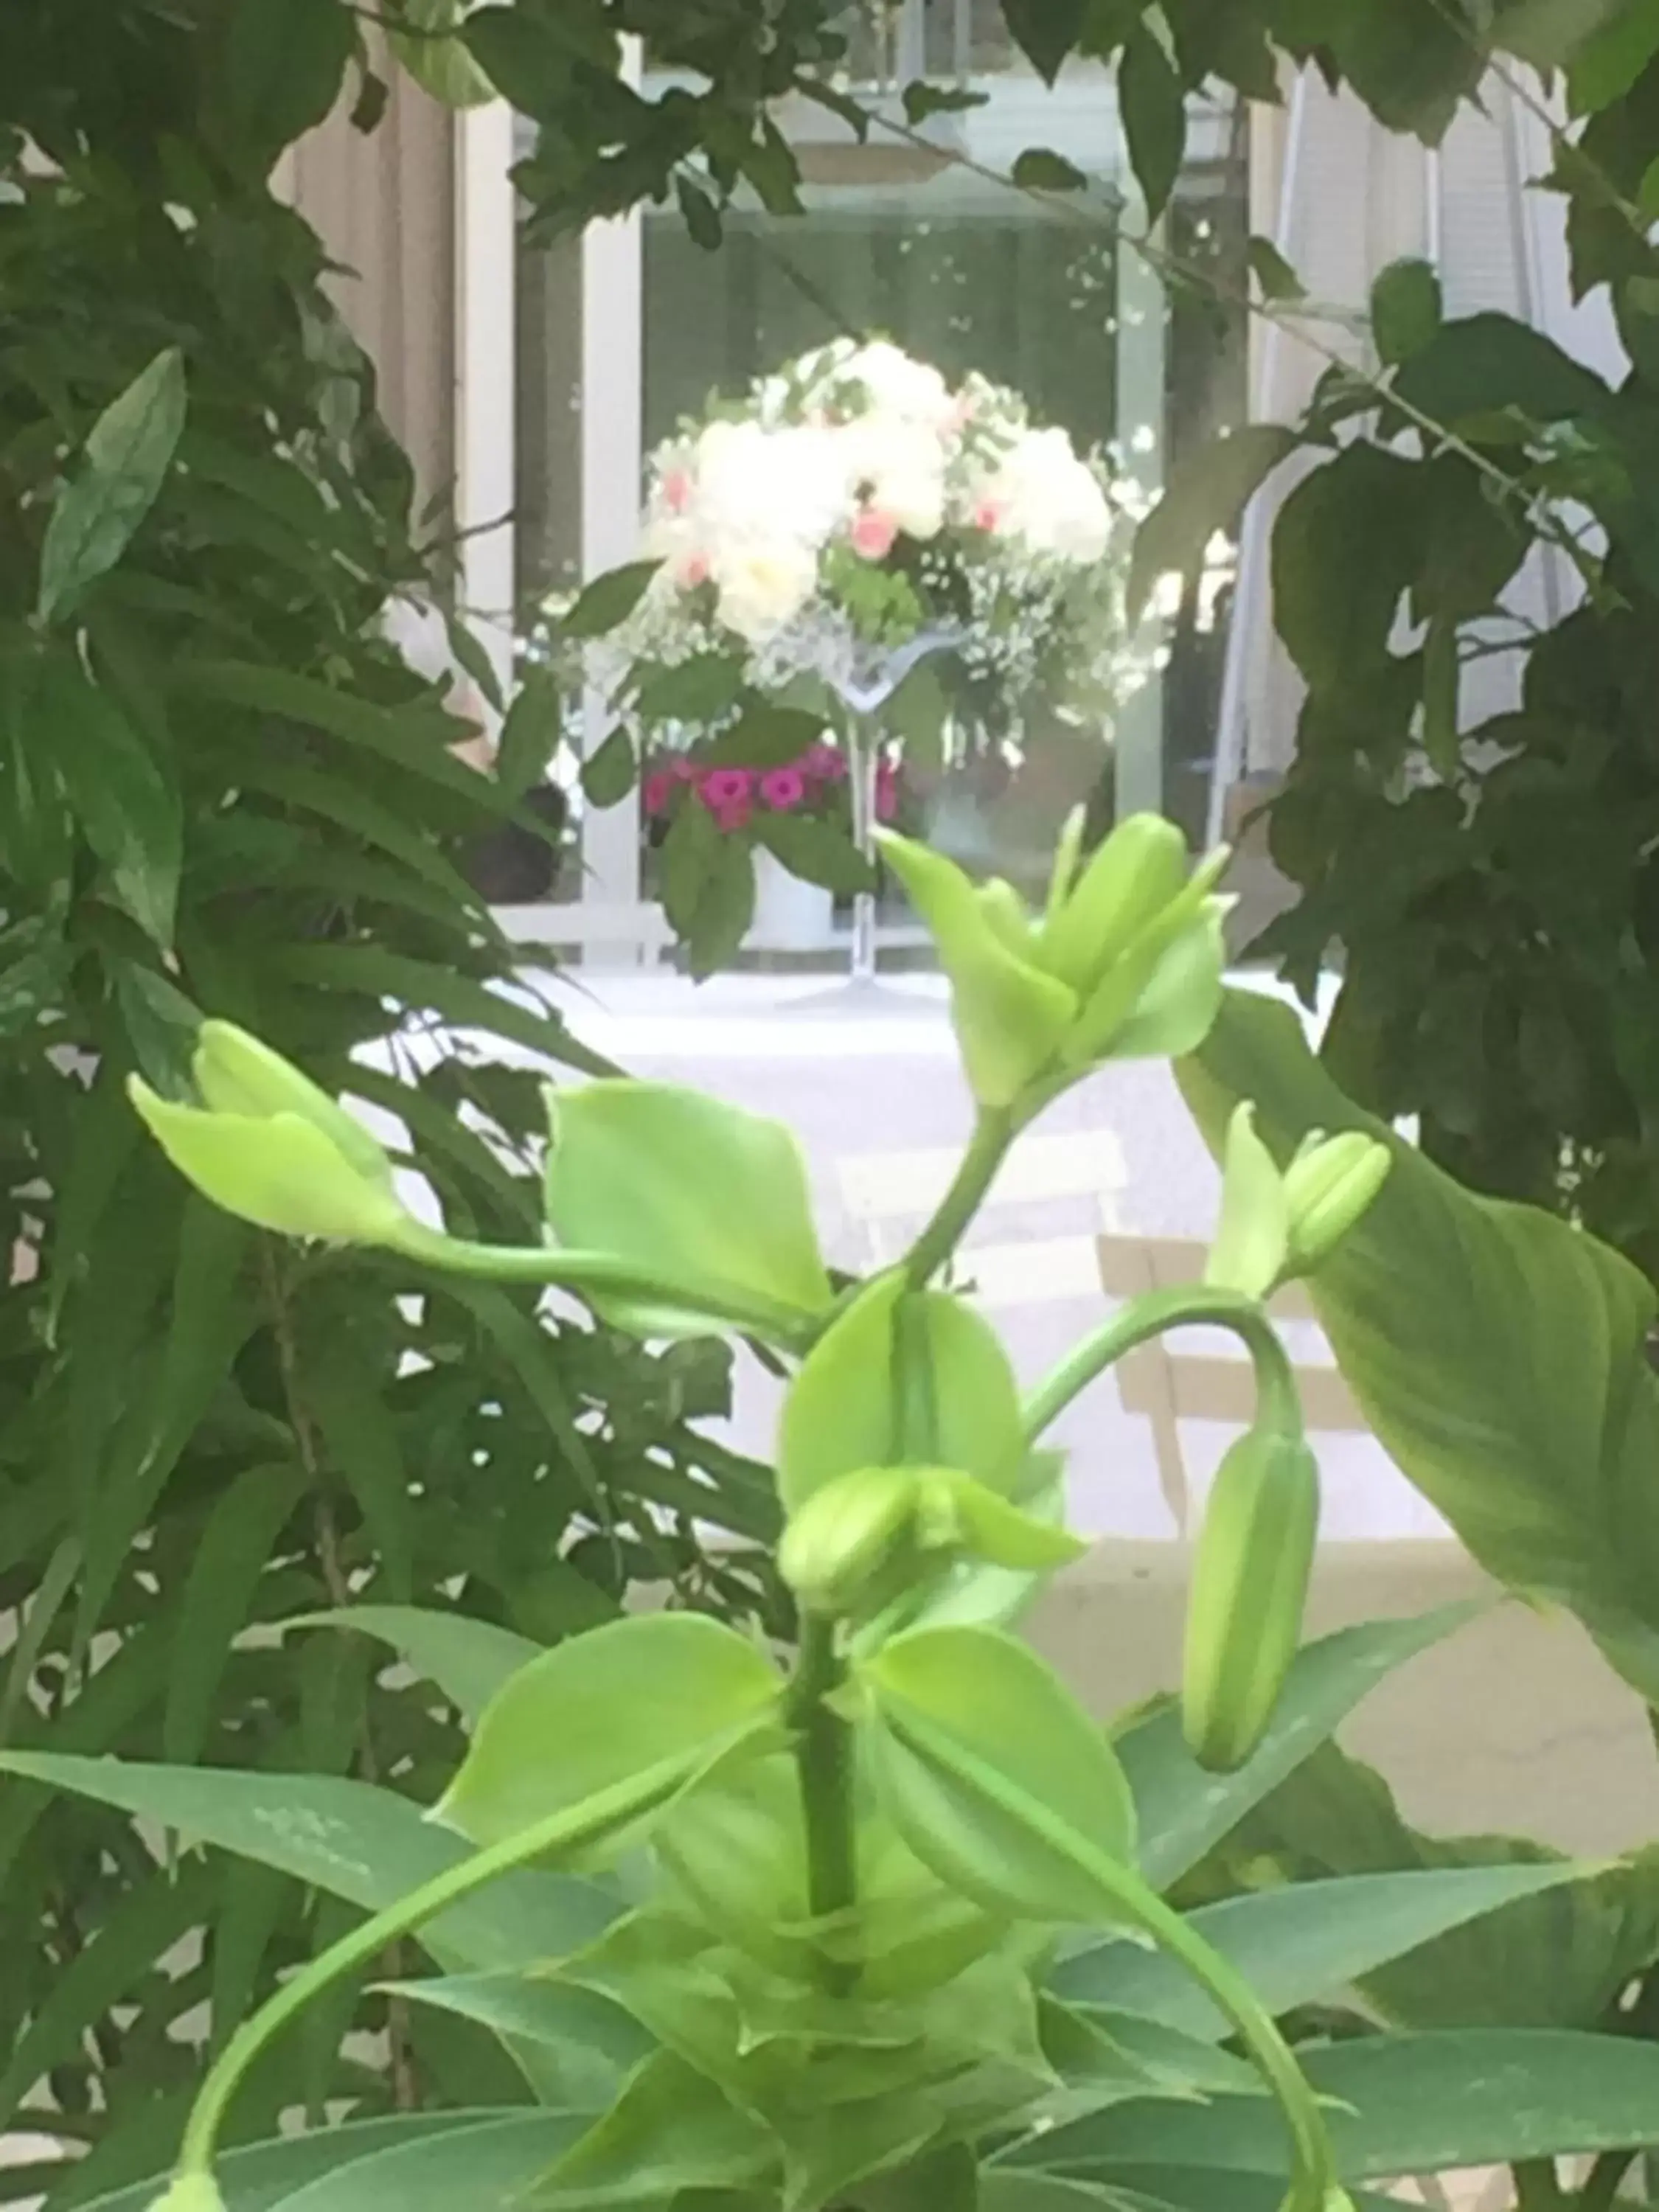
[[220, 790]]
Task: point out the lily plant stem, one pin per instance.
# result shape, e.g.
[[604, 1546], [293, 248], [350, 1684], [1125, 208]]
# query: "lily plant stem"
[[1144, 1318]]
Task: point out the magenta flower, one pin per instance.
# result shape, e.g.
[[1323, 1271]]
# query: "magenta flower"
[[659, 791], [824, 763], [726, 787], [734, 816], [782, 789]]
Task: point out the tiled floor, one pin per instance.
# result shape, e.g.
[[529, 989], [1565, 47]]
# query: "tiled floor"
[[858, 1073]]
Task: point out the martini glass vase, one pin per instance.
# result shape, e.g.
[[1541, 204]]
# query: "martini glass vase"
[[863, 739], [863, 690]]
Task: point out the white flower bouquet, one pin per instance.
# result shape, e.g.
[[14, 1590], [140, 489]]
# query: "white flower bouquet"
[[854, 504]]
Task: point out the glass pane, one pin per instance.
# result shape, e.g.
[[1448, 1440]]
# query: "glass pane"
[[923, 243]]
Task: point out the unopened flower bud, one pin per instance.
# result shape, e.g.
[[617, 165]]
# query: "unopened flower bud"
[[270, 1148], [1252, 1236], [1009, 1014], [1328, 1187], [1250, 1586], [836, 1545], [1133, 877]]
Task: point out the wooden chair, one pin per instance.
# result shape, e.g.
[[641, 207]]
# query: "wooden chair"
[[888, 1195], [1169, 1385]]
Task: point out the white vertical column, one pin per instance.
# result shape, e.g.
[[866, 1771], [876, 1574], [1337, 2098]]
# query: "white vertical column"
[[1141, 310], [613, 399], [486, 304]]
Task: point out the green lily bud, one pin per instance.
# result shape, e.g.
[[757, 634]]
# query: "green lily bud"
[[1008, 1014], [1328, 1186], [1163, 991], [1250, 1586], [270, 1148], [834, 1553], [235, 1074], [191, 2193], [1253, 1238], [1138, 869], [1004, 910]]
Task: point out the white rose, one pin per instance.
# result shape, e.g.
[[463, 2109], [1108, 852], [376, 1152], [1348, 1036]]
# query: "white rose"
[[916, 500], [1039, 492], [756, 482], [911, 389], [897, 468], [762, 585]]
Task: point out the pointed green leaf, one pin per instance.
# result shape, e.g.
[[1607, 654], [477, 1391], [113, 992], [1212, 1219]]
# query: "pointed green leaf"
[[126, 804], [608, 600], [358, 1842], [677, 1179], [902, 1377], [468, 1659], [670, 2132], [259, 2177], [983, 1760], [1394, 2105], [1498, 1353], [232, 1553], [603, 1709], [1301, 1944], [1184, 1810], [128, 452]]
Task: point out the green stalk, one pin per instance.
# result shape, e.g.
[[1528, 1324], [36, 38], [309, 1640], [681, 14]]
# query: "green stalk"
[[993, 1132], [824, 1760], [1144, 1318], [569, 1829], [1125, 1896], [602, 1272]]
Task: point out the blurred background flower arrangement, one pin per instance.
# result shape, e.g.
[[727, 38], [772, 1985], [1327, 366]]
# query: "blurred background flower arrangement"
[[853, 505]]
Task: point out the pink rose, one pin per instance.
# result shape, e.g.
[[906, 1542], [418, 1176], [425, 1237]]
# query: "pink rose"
[[676, 490], [658, 792], [782, 789], [690, 570], [987, 515], [873, 533]]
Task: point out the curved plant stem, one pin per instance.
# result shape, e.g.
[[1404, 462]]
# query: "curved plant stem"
[[823, 1759], [993, 1132], [567, 1830], [1144, 1318], [586, 1273]]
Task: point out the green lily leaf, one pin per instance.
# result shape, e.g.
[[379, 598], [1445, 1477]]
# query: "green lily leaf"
[[1395, 2103], [1498, 1353], [603, 1709], [356, 1842], [1560, 1955], [1302, 1943], [902, 1377], [673, 1180], [468, 1659], [973, 1726]]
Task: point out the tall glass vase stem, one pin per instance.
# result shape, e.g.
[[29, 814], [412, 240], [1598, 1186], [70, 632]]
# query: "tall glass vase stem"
[[863, 768]]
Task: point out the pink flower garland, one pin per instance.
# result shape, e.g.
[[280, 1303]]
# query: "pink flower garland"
[[731, 794]]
